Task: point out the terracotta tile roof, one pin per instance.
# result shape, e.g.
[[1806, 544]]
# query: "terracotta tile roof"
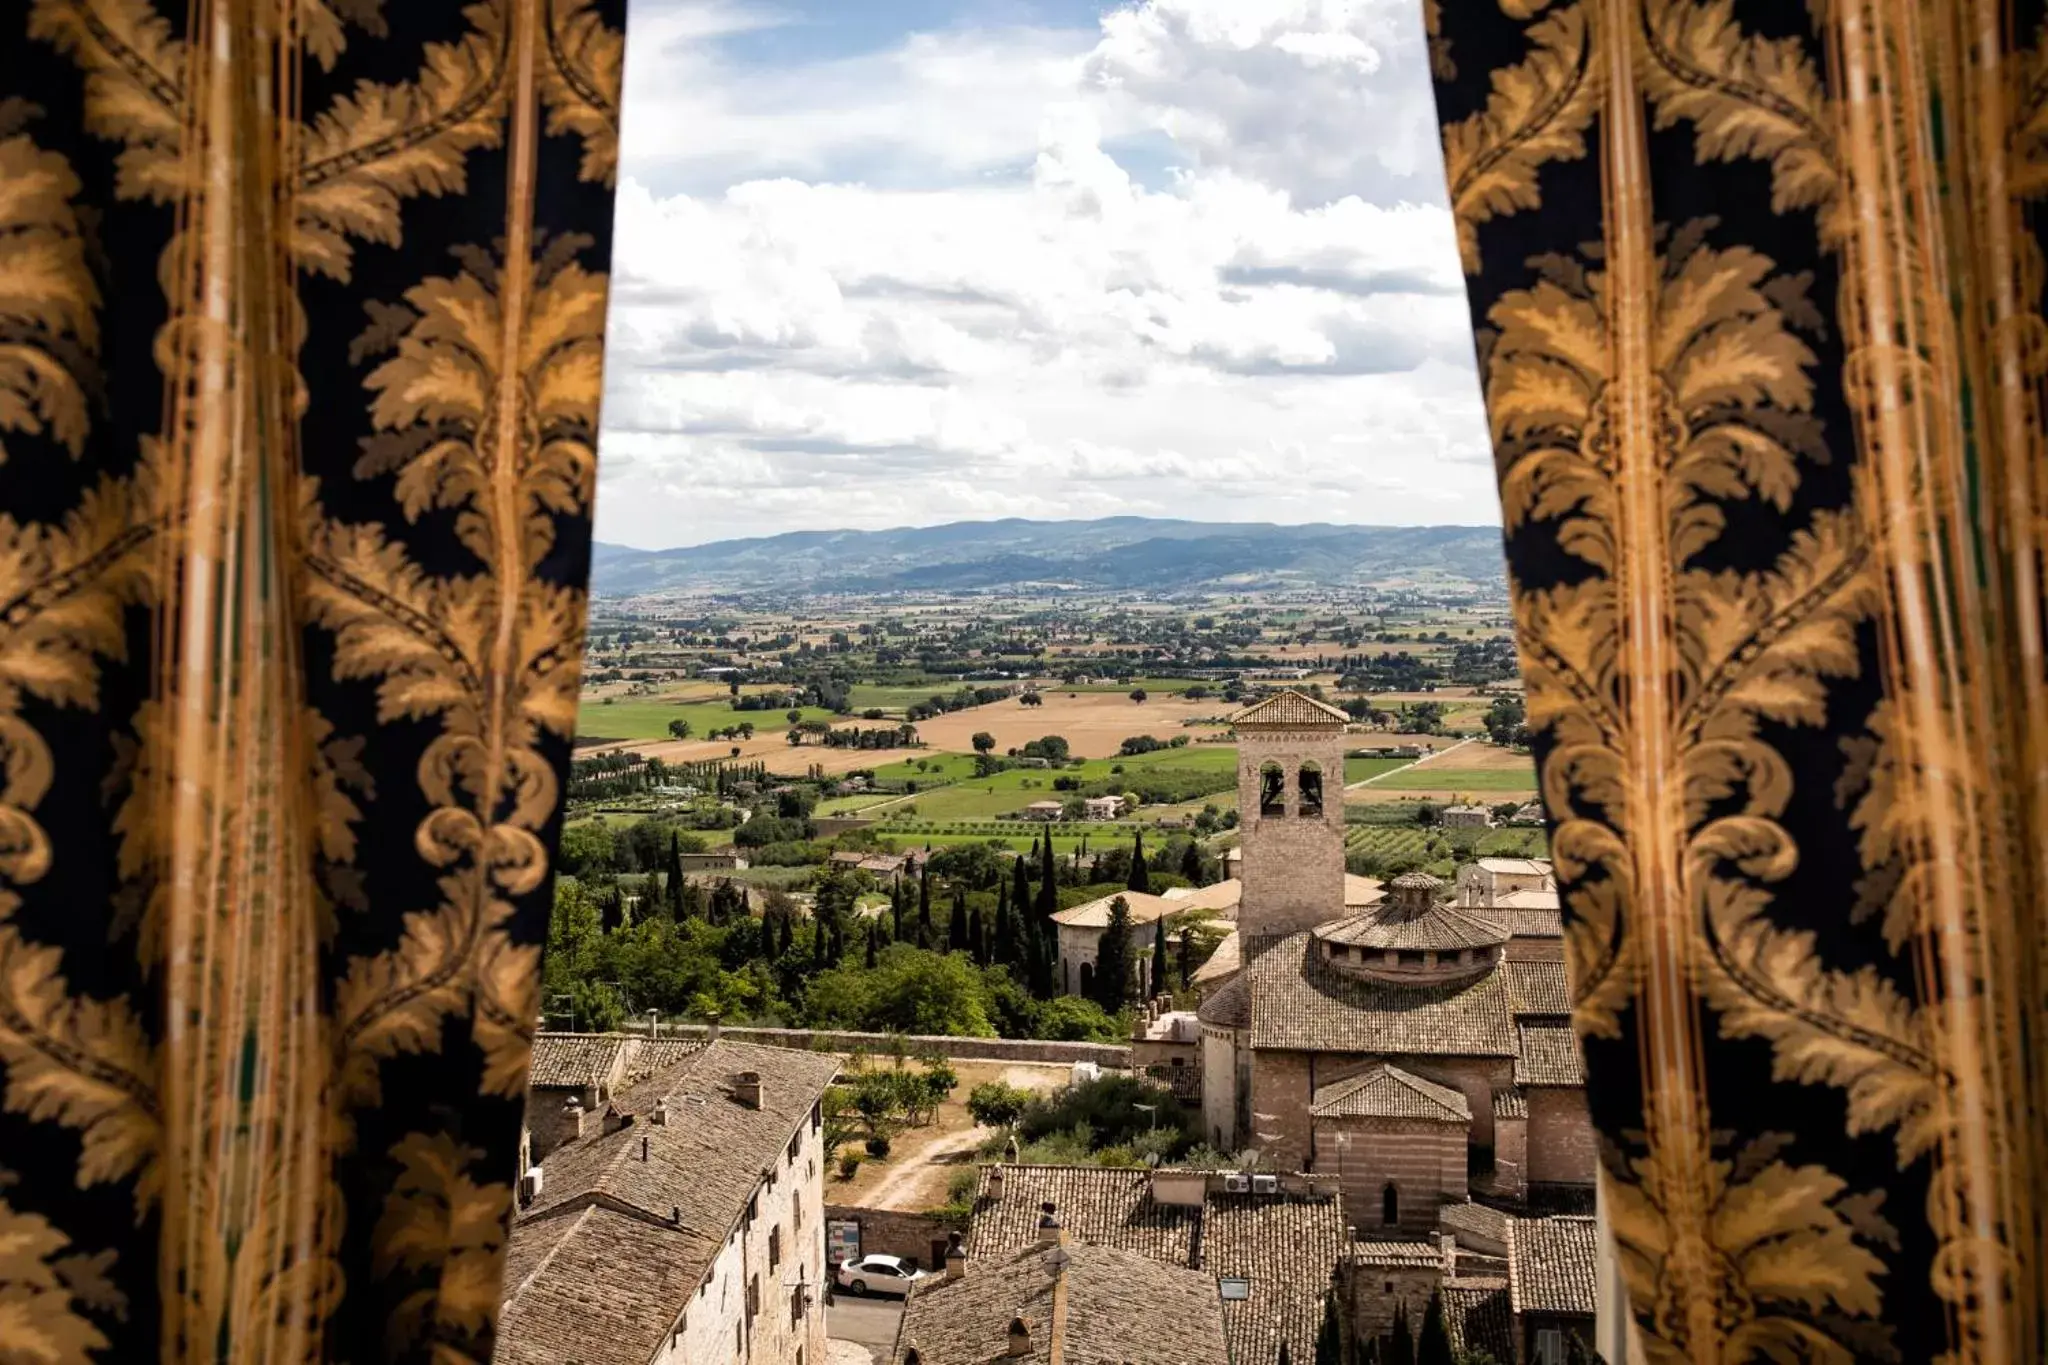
[[1184, 1081], [597, 1286], [1391, 1251], [1510, 1104], [1518, 867], [571, 1061], [1477, 1317], [1440, 928], [1290, 710], [1230, 1007], [1362, 890], [1223, 895], [1388, 1092], [1549, 1055], [1121, 1307], [1476, 1220], [1551, 1265], [664, 1216], [646, 1056], [1539, 988], [1529, 923], [1417, 881], [1227, 958], [1301, 1003], [1527, 899], [1095, 914], [1287, 1245]]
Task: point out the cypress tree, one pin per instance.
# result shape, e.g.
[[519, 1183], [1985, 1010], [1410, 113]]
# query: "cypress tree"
[[1401, 1345], [927, 936], [1020, 889], [1159, 956], [1002, 947], [611, 910], [1048, 881], [1434, 1345], [977, 941], [1140, 880], [1113, 958], [899, 899], [818, 946], [1095, 869], [675, 875], [1329, 1340], [956, 923], [1191, 864], [1185, 952], [874, 932]]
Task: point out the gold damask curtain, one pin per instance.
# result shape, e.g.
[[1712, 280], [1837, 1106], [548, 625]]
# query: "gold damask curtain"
[[1757, 291], [301, 329]]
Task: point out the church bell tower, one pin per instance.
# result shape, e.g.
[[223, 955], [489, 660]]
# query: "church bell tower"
[[1290, 813]]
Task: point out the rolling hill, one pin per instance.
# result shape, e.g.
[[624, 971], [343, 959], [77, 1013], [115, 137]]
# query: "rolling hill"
[[1112, 553]]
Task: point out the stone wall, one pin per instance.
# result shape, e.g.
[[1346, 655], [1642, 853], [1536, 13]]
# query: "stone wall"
[[1423, 1160], [882, 1044], [1535, 950], [1562, 1149], [547, 1120], [1293, 868], [1283, 1084], [1371, 1295], [892, 1232], [1510, 1179], [1219, 1088]]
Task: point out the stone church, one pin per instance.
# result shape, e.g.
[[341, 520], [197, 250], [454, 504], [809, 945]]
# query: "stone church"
[[1418, 1050]]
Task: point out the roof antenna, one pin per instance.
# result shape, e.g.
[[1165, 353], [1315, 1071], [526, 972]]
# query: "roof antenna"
[[643, 1147]]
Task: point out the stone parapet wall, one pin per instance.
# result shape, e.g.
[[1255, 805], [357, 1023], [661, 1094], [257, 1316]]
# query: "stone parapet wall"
[[883, 1044]]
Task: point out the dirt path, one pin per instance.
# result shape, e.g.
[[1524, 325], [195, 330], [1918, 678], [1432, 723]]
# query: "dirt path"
[[1428, 758], [919, 1178]]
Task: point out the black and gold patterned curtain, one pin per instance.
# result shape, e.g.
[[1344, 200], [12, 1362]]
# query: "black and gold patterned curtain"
[[1757, 292], [301, 330]]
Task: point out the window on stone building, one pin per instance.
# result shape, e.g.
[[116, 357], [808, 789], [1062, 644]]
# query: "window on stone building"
[[1272, 789], [796, 1210], [796, 1143], [753, 1296], [1309, 782], [1549, 1346], [1390, 1205], [774, 1247]]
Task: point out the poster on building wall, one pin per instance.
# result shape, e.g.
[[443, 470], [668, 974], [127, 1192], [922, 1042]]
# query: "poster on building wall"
[[842, 1241]]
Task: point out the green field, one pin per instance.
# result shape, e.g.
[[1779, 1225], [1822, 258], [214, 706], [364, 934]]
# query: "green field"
[[896, 697], [971, 798], [1015, 836], [1358, 769], [1390, 841], [648, 718], [1433, 778]]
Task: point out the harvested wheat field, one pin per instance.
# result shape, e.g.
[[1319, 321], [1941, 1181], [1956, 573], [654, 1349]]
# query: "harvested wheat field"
[[1094, 724], [773, 750]]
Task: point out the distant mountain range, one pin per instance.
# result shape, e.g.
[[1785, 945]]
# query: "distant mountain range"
[[1114, 553]]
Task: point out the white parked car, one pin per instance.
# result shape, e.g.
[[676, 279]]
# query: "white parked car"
[[879, 1275]]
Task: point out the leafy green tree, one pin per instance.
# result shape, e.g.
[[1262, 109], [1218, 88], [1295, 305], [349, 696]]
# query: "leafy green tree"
[[909, 991], [588, 849], [679, 729], [983, 741], [1140, 880], [1113, 958], [873, 934], [1071, 1019], [994, 1104], [1159, 955]]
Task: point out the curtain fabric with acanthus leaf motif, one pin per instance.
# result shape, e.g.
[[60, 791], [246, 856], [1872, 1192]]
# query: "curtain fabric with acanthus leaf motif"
[[301, 330], [1757, 290]]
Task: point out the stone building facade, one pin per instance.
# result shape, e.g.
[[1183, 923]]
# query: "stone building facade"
[[684, 1224]]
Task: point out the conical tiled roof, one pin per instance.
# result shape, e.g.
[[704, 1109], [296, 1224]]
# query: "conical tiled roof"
[[1290, 711], [1442, 928]]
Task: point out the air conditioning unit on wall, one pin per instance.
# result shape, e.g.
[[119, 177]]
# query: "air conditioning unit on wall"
[[1265, 1184], [529, 1184], [1236, 1183]]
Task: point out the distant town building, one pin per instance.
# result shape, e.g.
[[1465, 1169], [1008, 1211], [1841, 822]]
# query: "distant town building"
[[716, 860], [1103, 807], [1486, 882], [1467, 817], [1081, 928], [682, 1223], [1044, 810], [589, 1068], [1530, 814]]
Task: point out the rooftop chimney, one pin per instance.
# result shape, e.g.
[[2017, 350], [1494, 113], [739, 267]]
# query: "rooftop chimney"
[[1020, 1339], [995, 1182], [1050, 1232], [572, 1116], [711, 1027], [660, 1114], [746, 1088], [643, 1148], [956, 1257]]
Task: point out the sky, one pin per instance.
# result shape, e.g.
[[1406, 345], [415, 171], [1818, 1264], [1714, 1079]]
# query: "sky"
[[889, 263]]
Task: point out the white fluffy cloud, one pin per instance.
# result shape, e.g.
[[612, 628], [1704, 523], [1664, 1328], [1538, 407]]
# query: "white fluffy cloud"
[[1001, 313]]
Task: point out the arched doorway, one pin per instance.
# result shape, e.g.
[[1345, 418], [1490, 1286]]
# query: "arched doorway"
[[1088, 980], [1390, 1205]]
